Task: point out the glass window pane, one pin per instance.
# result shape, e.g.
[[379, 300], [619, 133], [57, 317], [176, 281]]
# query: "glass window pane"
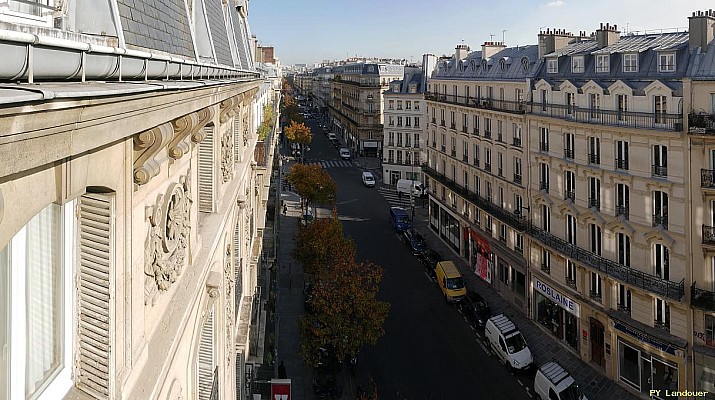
[[43, 297], [4, 321]]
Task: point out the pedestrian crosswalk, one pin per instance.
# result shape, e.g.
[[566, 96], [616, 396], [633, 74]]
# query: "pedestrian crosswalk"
[[394, 199], [331, 163]]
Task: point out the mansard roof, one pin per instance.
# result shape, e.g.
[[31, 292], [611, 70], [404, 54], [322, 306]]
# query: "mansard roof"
[[511, 63]]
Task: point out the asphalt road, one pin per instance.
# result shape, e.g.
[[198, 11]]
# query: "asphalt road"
[[428, 350]]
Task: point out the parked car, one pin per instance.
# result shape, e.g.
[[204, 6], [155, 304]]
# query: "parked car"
[[450, 281], [414, 240], [429, 259], [344, 153], [552, 381], [399, 219], [508, 343], [476, 309], [368, 179]]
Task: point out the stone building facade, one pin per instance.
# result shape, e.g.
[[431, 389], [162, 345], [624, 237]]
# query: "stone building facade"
[[133, 200]]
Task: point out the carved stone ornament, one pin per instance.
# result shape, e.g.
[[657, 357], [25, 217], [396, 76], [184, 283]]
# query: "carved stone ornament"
[[229, 279], [167, 243], [147, 152], [227, 109], [227, 155]]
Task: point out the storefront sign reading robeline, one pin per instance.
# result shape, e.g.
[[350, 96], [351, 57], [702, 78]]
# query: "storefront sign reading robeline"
[[558, 298]]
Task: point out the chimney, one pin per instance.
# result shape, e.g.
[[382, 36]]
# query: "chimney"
[[701, 31], [607, 35], [551, 40], [491, 48], [460, 52], [429, 62]]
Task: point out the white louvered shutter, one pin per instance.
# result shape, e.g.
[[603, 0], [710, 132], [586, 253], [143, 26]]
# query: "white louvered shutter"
[[237, 138], [238, 290], [207, 179], [206, 357], [240, 375], [94, 287]]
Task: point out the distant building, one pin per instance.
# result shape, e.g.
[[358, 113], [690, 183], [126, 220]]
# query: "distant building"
[[576, 177], [405, 117]]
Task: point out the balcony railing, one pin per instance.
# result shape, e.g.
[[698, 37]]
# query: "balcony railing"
[[702, 298], [622, 210], [571, 281], [500, 213], [568, 153], [476, 162], [517, 107], [516, 142], [570, 194], [594, 159], [701, 124], [453, 153], [465, 129], [621, 163], [659, 171], [595, 295], [661, 220], [709, 235], [661, 122], [517, 179], [544, 186], [488, 167], [465, 158], [475, 131], [645, 281], [487, 134], [452, 125], [543, 146], [707, 178], [594, 203], [442, 123], [623, 308], [664, 325]]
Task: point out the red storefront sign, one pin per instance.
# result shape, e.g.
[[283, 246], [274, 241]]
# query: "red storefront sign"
[[481, 254], [280, 389]]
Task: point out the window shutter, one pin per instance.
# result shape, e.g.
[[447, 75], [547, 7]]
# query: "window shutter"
[[206, 171], [240, 363], [94, 288], [237, 138], [238, 265], [206, 357]]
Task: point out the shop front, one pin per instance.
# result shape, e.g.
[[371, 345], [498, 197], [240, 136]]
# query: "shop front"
[[444, 223], [369, 148], [479, 254], [647, 362], [558, 313]]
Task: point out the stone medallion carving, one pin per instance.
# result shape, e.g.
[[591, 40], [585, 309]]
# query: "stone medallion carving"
[[229, 279], [168, 238]]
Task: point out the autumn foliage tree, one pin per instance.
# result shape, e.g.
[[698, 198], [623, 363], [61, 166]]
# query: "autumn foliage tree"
[[321, 244], [298, 133], [347, 313], [312, 183]]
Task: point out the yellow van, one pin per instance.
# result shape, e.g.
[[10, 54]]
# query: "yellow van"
[[450, 281]]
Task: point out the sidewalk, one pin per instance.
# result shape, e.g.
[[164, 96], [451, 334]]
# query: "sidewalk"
[[594, 384]]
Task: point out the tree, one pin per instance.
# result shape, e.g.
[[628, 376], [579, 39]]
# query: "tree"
[[312, 183], [299, 133], [321, 244], [347, 314]]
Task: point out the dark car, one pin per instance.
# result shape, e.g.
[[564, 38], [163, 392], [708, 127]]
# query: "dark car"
[[415, 241], [429, 259], [476, 309]]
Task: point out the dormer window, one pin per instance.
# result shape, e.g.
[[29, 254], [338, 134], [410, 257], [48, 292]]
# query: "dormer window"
[[666, 62], [577, 64], [552, 66], [603, 63], [630, 62]]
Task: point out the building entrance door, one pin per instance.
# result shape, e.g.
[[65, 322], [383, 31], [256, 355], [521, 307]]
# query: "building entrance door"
[[597, 355], [394, 177]]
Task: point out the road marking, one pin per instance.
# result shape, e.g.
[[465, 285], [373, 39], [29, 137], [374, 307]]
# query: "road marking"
[[487, 351], [520, 382]]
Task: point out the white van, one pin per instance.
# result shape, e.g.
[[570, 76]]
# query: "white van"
[[507, 342], [344, 153], [552, 381], [405, 185], [368, 179]]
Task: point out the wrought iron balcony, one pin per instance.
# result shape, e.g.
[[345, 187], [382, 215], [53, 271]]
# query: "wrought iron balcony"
[[595, 295], [546, 268], [517, 179], [646, 120], [709, 235], [702, 298], [571, 282], [633, 277], [623, 308], [442, 123], [487, 134], [659, 171], [500, 213], [452, 125], [701, 124], [476, 162], [434, 120], [594, 203], [707, 178], [516, 142], [475, 131], [570, 194], [465, 158], [488, 167], [622, 210], [621, 163], [664, 325], [569, 153], [543, 146], [544, 186], [453, 153], [465, 129], [594, 159], [516, 107], [661, 220]]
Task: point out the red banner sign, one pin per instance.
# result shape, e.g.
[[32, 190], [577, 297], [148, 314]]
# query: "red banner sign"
[[280, 389], [481, 255]]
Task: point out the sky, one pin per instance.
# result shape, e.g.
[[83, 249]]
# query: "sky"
[[310, 31]]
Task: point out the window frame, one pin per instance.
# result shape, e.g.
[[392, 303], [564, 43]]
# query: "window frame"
[[603, 63], [630, 62], [669, 57], [577, 64], [552, 65]]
